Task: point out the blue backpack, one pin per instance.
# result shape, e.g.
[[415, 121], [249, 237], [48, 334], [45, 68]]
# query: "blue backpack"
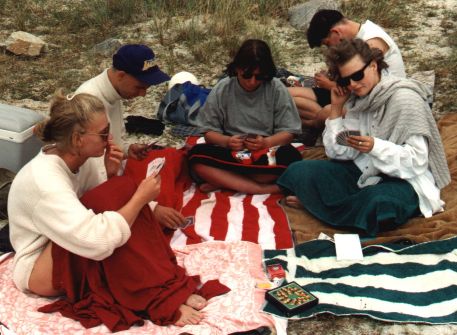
[[181, 103]]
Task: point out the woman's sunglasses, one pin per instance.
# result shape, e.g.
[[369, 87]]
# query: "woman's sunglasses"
[[260, 77], [356, 76], [104, 134]]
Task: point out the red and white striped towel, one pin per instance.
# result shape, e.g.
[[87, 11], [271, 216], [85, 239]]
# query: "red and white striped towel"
[[230, 216], [220, 215]]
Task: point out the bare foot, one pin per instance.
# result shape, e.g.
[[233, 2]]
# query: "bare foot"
[[196, 301], [189, 316], [292, 201], [207, 187]]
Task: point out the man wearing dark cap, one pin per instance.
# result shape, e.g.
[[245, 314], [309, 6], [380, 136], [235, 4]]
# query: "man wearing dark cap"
[[132, 72], [329, 27]]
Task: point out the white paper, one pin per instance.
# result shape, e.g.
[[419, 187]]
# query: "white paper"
[[348, 247]]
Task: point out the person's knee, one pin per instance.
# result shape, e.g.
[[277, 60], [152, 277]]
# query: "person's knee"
[[323, 114], [295, 91]]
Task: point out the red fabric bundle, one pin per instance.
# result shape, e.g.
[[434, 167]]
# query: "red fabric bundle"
[[139, 280]]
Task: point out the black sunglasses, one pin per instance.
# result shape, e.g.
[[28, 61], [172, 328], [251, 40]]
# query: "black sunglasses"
[[260, 77], [104, 134], [356, 76]]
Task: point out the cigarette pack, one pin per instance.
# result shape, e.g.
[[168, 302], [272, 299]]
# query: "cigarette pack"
[[275, 271]]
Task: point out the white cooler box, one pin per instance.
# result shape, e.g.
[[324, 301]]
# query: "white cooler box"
[[18, 144]]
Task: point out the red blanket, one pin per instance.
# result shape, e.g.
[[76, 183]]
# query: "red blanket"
[[139, 280]]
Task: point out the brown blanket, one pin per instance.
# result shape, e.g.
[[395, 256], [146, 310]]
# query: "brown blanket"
[[440, 226]]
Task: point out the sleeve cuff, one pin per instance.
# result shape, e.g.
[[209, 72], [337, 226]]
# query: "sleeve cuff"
[[334, 123], [378, 146]]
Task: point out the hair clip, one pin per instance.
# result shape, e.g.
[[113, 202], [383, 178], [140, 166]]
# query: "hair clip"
[[70, 96]]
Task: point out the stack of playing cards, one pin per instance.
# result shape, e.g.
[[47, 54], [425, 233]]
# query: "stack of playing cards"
[[245, 136], [155, 166], [341, 138]]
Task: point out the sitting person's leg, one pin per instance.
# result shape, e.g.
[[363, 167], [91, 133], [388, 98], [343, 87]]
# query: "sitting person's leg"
[[189, 310], [40, 281], [189, 316], [196, 301], [310, 103], [315, 94], [215, 167], [308, 111], [302, 92], [321, 116], [307, 104], [329, 191], [216, 178], [387, 205], [294, 202], [141, 277]]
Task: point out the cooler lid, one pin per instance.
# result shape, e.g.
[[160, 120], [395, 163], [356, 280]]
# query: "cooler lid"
[[17, 119]]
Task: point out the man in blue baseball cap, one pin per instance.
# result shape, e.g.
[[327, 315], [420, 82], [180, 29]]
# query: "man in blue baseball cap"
[[133, 70], [139, 61]]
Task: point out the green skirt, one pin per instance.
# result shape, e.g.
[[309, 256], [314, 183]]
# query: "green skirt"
[[329, 191]]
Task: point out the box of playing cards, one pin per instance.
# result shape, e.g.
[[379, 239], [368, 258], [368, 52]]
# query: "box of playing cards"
[[291, 298]]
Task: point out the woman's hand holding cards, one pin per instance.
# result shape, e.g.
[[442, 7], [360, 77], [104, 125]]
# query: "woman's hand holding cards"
[[168, 217], [361, 143], [343, 136], [236, 142], [254, 142], [155, 166]]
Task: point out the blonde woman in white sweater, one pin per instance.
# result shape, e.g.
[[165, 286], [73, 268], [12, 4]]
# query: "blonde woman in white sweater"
[[44, 206]]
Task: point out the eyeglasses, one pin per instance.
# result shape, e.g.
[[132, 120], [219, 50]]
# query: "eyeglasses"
[[356, 76], [259, 77], [104, 134]]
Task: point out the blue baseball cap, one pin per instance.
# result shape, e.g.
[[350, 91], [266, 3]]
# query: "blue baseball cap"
[[138, 61]]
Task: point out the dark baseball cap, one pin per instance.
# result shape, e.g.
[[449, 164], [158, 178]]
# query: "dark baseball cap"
[[320, 26], [138, 61]]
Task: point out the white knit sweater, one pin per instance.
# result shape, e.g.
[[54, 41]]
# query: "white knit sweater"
[[44, 205]]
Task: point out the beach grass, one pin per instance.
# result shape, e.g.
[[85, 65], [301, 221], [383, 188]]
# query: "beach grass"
[[205, 33]]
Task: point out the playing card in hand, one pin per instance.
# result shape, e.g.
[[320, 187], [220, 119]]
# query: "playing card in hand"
[[188, 221], [155, 166], [341, 138]]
